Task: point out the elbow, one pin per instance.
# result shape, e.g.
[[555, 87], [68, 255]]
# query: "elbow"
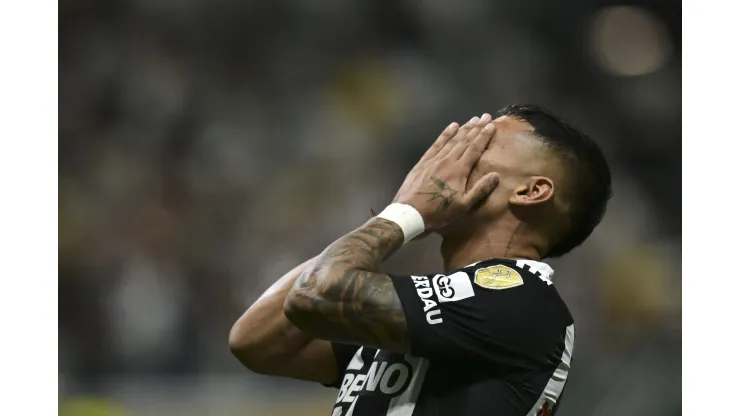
[[247, 349], [238, 341]]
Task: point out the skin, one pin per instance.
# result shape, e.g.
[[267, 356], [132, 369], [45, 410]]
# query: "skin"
[[524, 214], [266, 342], [340, 296]]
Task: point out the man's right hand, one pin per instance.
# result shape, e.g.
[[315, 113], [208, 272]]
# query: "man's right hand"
[[436, 186]]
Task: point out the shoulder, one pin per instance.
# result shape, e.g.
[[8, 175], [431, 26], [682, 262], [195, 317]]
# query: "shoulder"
[[528, 281]]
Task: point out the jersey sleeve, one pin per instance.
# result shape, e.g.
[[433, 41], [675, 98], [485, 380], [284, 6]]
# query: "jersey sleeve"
[[496, 313], [343, 353]]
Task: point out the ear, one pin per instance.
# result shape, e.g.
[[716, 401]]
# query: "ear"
[[535, 190]]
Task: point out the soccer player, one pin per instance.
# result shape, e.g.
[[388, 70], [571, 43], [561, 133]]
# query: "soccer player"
[[487, 336]]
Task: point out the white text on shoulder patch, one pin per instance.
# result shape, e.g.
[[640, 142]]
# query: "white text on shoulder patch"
[[498, 277], [453, 287]]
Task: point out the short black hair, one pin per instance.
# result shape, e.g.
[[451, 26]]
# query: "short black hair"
[[586, 168]]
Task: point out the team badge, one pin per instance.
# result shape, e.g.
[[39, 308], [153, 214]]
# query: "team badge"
[[498, 277]]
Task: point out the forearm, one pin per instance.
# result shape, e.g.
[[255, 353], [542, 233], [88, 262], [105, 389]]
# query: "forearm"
[[363, 249], [263, 331], [344, 298]]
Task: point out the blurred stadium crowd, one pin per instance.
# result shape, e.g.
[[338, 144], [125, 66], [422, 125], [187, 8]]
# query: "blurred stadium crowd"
[[206, 147]]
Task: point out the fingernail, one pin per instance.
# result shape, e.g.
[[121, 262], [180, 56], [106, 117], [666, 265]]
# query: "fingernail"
[[485, 117], [494, 179], [488, 128], [451, 127], [473, 120]]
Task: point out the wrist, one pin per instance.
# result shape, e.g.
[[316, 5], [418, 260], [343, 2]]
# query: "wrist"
[[406, 217]]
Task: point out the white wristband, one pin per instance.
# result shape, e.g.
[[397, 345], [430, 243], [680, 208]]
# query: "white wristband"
[[407, 217]]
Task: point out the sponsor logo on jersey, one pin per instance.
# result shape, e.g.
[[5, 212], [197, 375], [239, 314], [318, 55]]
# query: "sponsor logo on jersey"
[[385, 377], [425, 292], [498, 277], [382, 378], [452, 288]]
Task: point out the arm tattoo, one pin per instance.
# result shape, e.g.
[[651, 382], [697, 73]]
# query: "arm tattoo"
[[343, 298], [444, 194]]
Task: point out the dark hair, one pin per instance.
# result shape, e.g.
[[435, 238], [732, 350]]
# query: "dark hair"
[[590, 181]]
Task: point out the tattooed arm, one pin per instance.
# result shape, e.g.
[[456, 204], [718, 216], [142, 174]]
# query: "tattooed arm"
[[343, 297]]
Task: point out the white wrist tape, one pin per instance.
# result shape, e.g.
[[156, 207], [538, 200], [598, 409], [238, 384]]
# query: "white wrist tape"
[[407, 217]]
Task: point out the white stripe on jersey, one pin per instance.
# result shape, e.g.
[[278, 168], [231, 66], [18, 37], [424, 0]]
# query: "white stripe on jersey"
[[555, 386], [404, 404]]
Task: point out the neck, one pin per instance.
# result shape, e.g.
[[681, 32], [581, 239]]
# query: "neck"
[[505, 240]]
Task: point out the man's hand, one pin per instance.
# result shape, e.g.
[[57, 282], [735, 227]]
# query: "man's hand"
[[436, 186]]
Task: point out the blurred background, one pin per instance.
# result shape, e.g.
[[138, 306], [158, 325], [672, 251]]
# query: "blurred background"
[[208, 146]]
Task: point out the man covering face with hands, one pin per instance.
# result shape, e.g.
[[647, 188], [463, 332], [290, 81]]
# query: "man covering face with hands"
[[487, 335]]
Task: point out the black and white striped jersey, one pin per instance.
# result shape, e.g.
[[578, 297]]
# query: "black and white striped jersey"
[[493, 338]]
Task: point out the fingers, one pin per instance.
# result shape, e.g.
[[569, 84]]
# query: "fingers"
[[462, 144], [461, 133], [475, 149], [481, 189], [448, 133], [461, 136]]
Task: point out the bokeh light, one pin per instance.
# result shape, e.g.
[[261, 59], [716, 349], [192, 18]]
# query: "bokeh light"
[[629, 41]]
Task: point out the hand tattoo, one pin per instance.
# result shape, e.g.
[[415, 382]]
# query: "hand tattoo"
[[444, 194], [342, 298]]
